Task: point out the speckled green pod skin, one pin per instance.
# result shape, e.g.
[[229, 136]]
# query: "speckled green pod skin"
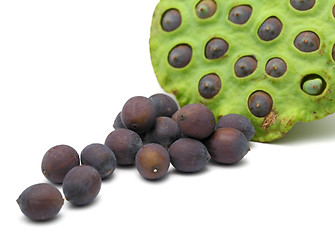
[[290, 103]]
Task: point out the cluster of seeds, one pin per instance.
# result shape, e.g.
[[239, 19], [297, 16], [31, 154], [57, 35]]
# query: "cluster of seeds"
[[205, 41], [150, 133]]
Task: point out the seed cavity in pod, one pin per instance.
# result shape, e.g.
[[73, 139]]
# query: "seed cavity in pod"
[[260, 103], [209, 85], [180, 56], [302, 5], [245, 66], [334, 11], [270, 29], [171, 20], [205, 9], [313, 84], [307, 41], [240, 14], [216, 48], [276, 67], [333, 52]]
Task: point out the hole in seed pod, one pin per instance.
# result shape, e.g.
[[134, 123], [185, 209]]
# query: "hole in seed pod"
[[302, 5], [209, 85], [216, 48], [245, 66], [333, 52], [270, 29], [180, 56], [205, 9], [240, 14], [313, 84], [334, 11], [171, 20], [307, 41], [276, 67], [260, 103]]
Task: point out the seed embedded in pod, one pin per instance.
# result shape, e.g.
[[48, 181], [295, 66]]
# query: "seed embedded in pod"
[[171, 20], [276, 67], [206, 9], [209, 86], [302, 5], [313, 84], [260, 103], [240, 14], [307, 41], [216, 48], [270, 29], [180, 56], [245, 66]]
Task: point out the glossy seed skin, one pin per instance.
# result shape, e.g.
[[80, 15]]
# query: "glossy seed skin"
[[188, 155], [270, 29], [260, 104], [152, 161], [118, 122], [81, 185], [165, 132], [58, 161], [206, 9], [276, 67], [302, 5], [238, 122], [216, 48], [138, 114], [40, 202], [209, 86], [240, 14], [180, 56], [245, 66], [100, 157], [227, 145], [196, 121], [165, 105], [125, 144], [171, 20], [307, 42]]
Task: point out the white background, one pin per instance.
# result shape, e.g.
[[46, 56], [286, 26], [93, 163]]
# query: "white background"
[[66, 69]]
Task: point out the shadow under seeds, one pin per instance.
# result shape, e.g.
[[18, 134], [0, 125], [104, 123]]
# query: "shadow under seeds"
[[304, 132], [72, 206], [242, 163], [45, 222]]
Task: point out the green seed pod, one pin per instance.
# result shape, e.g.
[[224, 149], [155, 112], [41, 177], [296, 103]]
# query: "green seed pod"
[[295, 67]]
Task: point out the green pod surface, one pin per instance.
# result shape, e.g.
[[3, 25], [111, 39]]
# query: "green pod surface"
[[290, 102]]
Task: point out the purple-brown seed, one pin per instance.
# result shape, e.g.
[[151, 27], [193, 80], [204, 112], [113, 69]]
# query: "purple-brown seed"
[[240, 14], [171, 20], [307, 41], [180, 56], [245, 66], [216, 48], [276, 67], [270, 29], [209, 86]]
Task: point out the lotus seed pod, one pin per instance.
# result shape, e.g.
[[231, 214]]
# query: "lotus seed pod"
[[283, 50]]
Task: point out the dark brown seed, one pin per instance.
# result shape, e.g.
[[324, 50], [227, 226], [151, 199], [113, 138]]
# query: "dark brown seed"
[[216, 48], [302, 5], [227, 145], [138, 114], [40, 202], [240, 14], [180, 56], [276, 67], [196, 121], [245, 66], [270, 29], [205, 9], [307, 41], [209, 85], [171, 20], [152, 161], [333, 52], [260, 103], [58, 161], [81, 185], [125, 144]]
